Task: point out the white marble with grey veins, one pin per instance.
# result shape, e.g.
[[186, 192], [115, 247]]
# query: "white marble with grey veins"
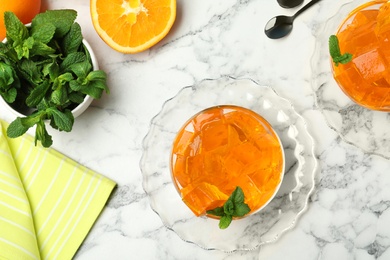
[[348, 213]]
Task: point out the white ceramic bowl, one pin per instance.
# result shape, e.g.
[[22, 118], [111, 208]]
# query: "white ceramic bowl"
[[81, 107]]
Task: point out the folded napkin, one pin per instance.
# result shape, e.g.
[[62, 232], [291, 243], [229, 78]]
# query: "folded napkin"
[[48, 203]]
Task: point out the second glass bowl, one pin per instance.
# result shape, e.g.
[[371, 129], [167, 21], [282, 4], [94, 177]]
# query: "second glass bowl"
[[355, 124], [364, 35]]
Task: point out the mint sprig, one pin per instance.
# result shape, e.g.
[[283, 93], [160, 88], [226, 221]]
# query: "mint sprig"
[[335, 53], [233, 207], [47, 69]]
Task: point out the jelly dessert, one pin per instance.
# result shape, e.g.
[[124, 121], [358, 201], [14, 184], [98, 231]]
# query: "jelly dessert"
[[221, 148], [365, 34]]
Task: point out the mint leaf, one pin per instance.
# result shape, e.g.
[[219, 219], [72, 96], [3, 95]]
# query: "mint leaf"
[[343, 59], [93, 85], [73, 39], [43, 105], [6, 76], [9, 95], [66, 77], [335, 53], [233, 207], [23, 48], [75, 62], [37, 94], [219, 212], [238, 196], [63, 120], [43, 32], [42, 135], [99, 79], [75, 85], [93, 89], [81, 69], [334, 48], [241, 210], [100, 84], [41, 49], [76, 97], [20, 125], [96, 93], [225, 221], [61, 19], [59, 96], [97, 75], [31, 72], [16, 128], [51, 69], [228, 207], [34, 118], [15, 30]]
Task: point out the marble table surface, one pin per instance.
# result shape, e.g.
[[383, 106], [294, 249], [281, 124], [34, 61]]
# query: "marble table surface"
[[348, 213]]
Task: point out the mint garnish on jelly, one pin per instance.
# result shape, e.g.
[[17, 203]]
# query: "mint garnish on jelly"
[[233, 207], [335, 53]]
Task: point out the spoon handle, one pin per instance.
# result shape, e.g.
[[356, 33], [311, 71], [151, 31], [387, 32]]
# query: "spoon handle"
[[305, 7]]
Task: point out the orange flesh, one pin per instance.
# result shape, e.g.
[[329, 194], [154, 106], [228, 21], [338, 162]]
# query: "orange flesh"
[[131, 26], [222, 148], [366, 79]]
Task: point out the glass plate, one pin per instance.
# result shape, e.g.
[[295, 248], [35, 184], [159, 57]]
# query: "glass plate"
[[364, 128], [248, 233]]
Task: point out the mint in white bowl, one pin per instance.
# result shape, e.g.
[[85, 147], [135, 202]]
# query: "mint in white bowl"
[[48, 73]]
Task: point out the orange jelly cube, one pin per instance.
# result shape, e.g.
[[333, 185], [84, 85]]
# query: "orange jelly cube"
[[383, 20], [202, 197], [370, 65]]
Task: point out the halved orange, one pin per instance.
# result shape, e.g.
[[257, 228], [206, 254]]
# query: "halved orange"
[[132, 26]]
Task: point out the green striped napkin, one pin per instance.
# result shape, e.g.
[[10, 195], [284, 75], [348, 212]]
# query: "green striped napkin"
[[48, 202]]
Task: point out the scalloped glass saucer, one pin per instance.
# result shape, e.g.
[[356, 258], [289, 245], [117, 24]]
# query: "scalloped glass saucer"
[[258, 229], [361, 127]]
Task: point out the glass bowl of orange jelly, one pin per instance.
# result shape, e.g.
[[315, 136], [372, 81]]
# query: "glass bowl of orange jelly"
[[365, 34], [223, 147]]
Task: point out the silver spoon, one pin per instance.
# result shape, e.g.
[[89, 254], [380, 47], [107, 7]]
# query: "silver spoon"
[[282, 25]]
